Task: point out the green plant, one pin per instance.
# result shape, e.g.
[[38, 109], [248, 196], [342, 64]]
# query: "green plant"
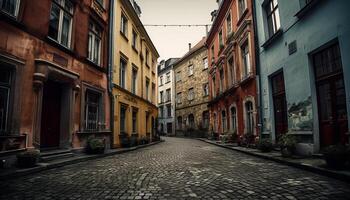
[[224, 138], [95, 146], [287, 143], [335, 156], [28, 158], [265, 145]]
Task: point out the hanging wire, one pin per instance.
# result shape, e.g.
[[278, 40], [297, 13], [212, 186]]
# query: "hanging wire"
[[178, 25]]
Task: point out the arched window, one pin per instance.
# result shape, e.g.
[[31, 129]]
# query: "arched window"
[[224, 120], [249, 117], [234, 119], [179, 123], [191, 121]]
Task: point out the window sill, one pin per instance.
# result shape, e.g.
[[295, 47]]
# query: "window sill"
[[60, 46], [124, 36], [242, 17], [98, 67], [147, 65], [272, 39], [134, 48], [303, 11], [205, 69], [190, 75], [11, 19]]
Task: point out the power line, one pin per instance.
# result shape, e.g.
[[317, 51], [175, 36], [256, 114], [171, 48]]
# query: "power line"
[[178, 25]]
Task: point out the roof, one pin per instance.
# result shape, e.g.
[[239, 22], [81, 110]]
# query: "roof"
[[193, 50], [167, 64]]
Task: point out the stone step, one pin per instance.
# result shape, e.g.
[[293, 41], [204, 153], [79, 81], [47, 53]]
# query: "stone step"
[[47, 156]]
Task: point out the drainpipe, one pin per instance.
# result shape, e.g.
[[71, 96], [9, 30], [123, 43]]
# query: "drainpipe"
[[257, 64], [110, 67]]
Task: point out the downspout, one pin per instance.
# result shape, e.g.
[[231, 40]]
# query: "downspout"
[[257, 64], [110, 67]]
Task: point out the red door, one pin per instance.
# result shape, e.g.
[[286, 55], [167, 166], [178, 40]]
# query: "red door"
[[331, 96], [279, 105], [51, 114]]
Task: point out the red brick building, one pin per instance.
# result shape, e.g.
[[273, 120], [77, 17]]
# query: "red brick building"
[[233, 98], [53, 73]]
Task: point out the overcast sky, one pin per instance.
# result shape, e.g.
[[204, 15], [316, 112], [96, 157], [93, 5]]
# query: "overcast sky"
[[173, 41]]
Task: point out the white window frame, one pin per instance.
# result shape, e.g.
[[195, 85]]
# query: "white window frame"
[[122, 73], [179, 98], [229, 26], [241, 12], [178, 76], [61, 7], [95, 33], [206, 89], [168, 77], [124, 24], [190, 70], [191, 94], [205, 63], [245, 60], [15, 15]]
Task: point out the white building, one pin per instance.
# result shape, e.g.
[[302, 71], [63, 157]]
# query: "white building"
[[166, 101]]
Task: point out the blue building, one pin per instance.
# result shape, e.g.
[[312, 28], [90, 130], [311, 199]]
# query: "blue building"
[[303, 47]]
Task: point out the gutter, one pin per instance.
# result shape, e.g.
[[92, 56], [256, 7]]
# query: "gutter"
[[110, 67], [257, 67]]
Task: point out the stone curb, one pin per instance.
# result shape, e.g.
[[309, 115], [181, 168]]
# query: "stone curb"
[[314, 169], [46, 166]]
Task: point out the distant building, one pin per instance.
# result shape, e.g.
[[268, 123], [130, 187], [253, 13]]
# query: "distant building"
[[192, 92], [232, 71], [166, 95], [305, 71]]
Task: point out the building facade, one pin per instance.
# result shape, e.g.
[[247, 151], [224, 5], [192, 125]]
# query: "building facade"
[[192, 92], [53, 64], [134, 75], [166, 95], [305, 74], [232, 71]]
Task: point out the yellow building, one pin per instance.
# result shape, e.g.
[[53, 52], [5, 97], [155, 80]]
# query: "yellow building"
[[134, 76]]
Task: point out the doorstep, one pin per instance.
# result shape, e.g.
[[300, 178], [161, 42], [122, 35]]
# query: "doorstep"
[[313, 164], [80, 157]]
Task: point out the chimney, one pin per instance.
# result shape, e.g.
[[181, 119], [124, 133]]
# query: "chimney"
[[189, 46]]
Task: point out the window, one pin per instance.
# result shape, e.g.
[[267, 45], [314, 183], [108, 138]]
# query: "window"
[[205, 117], [221, 80], [179, 98], [122, 73], [231, 69], [245, 60], [147, 57], [178, 76], [168, 110], [249, 117], [134, 81], [221, 40], [206, 89], [191, 121], [168, 95], [168, 77], [147, 89], [92, 110], [161, 111], [241, 7], [224, 120], [273, 17], [205, 63], [134, 39], [134, 120], [179, 123], [161, 80], [212, 55], [161, 97], [10, 7], [190, 94], [214, 87], [60, 25], [233, 119], [100, 2], [123, 119], [94, 52], [153, 92], [5, 87], [124, 25], [190, 70], [229, 24]]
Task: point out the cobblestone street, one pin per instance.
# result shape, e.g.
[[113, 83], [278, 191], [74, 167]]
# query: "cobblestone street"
[[175, 169]]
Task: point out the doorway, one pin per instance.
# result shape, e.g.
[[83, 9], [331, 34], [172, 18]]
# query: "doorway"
[[51, 115], [279, 105], [331, 96]]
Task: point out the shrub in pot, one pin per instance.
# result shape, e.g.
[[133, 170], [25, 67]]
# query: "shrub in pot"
[[95, 146], [287, 144], [265, 145], [28, 158], [335, 156]]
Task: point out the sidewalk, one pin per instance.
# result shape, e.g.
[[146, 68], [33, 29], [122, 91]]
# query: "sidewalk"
[[18, 172], [312, 164]]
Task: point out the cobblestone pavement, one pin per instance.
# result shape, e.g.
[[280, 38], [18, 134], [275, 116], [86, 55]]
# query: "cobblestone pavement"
[[175, 169]]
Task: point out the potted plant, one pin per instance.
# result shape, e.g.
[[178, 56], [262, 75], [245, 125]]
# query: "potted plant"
[[28, 158], [335, 156], [265, 145], [287, 144], [95, 146]]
